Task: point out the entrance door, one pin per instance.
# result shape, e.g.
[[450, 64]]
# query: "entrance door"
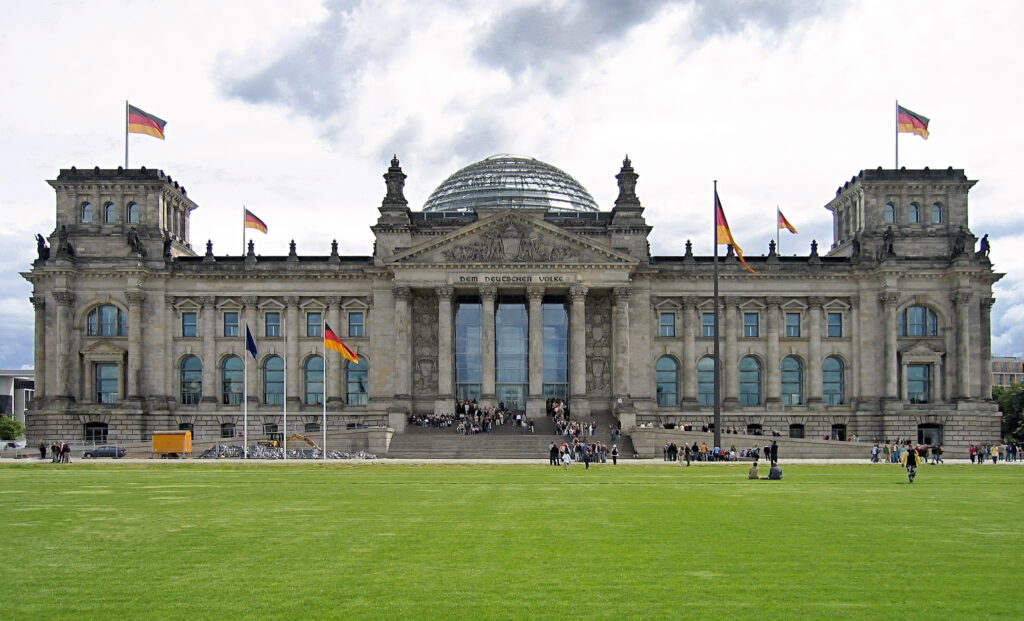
[[512, 395]]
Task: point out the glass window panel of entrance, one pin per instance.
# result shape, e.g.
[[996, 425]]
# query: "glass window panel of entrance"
[[750, 381], [468, 351], [919, 383], [356, 378], [832, 381], [667, 377], [706, 381], [511, 353], [556, 350], [792, 381]]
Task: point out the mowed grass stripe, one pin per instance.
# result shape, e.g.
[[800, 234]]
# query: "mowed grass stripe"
[[487, 541]]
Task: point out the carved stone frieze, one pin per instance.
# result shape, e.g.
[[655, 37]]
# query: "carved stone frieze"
[[599, 344], [64, 298], [511, 242], [424, 344], [888, 298]]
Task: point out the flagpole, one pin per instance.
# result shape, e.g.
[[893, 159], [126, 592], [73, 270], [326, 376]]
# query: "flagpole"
[[323, 344], [718, 365], [284, 400], [126, 134], [897, 127], [243, 230], [245, 399], [778, 238]]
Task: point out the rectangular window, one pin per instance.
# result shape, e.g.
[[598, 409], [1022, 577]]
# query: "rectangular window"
[[313, 321], [919, 380], [355, 324], [107, 388], [189, 324], [835, 325], [231, 324], [667, 325], [272, 323], [792, 325], [751, 325], [707, 325]]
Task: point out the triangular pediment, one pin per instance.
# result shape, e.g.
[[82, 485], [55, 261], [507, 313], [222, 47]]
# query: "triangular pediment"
[[510, 238], [103, 349]]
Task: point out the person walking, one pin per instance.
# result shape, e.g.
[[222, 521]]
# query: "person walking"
[[65, 453], [874, 454], [910, 462], [775, 453]]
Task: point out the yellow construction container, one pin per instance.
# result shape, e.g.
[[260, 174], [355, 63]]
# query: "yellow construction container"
[[167, 443]]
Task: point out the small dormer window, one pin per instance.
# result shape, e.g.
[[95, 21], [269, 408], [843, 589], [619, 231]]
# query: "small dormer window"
[[109, 213], [936, 213], [890, 213], [87, 214]]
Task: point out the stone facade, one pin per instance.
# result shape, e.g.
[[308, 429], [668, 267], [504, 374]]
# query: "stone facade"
[[884, 336]]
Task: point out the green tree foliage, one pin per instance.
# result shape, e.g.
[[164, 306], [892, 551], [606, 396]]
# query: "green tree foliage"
[[1011, 404], [10, 428]]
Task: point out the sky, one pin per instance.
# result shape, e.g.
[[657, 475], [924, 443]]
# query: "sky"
[[294, 109]]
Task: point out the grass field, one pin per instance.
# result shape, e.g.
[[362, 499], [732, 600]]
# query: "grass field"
[[372, 541]]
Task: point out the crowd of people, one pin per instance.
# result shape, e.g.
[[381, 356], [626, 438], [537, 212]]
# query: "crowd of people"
[[981, 453], [703, 452], [469, 418], [60, 452], [578, 451]]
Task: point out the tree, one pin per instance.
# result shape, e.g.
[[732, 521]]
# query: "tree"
[[10, 428], [1011, 404]]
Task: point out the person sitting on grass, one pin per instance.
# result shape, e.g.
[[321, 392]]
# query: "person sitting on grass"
[[775, 474], [752, 473]]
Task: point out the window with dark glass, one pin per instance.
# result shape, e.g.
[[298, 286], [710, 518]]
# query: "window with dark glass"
[[796, 430], [511, 352], [191, 380], [356, 379], [468, 349], [929, 433], [355, 324], [314, 322], [835, 325], [707, 325], [555, 340], [667, 377], [706, 381], [918, 321], [311, 428], [96, 432], [751, 325], [792, 381], [107, 382], [792, 325], [667, 324], [106, 320], [839, 432], [232, 376], [187, 427], [231, 323], [273, 380], [272, 324], [832, 381], [919, 383], [750, 381], [227, 430], [313, 379], [189, 324]]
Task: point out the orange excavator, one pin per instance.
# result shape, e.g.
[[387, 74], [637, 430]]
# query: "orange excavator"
[[276, 440]]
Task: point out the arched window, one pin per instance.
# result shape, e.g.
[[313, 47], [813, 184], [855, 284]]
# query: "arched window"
[[890, 213], [667, 379], [232, 374], [87, 214], [750, 381], [191, 380], [832, 382], [706, 381], [227, 430], [106, 320], [356, 380], [132, 215], [918, 321], [273, 380], [796, 430], [914, 213], [792, 381], [313, 376], [96, 432], [109, 213], [936, 213]]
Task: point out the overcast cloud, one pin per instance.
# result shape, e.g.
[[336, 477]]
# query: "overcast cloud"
[[294, 109]]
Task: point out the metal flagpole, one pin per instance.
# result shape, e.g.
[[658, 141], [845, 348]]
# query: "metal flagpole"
[[243, 231], [718, 370], [284, 400], [126, 134], [897, 127], [778, 238], [245, 398], [323, 344]]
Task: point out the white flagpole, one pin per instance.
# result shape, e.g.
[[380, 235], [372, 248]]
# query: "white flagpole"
[[126, 134], [284, 401], [778, 238], [243, 231], [245, 398], [323, 336]]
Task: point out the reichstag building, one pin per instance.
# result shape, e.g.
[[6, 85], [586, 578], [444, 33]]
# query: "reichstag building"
[[512, 285]]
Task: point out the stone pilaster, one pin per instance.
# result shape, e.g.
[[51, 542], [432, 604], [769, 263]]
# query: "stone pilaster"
[[135, 356], [65, 300], [294, 367], [730, 363], [985, 376], [579, 404], [487, 299], [403, 342], [814, 387], [620, 342], [535, 398], [211, 391], [41, 387], [690, 328], [445, 359], [335, 366], [773, 364], [252, 370], [962, 303], [890, 368]]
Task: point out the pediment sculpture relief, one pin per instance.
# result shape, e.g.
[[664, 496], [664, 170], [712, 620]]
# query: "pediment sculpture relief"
[[513, 242]]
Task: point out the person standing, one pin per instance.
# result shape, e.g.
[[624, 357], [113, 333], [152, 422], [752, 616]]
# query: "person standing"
[[910, 462], [566, 459], [65, 453], [936, 454], [874, 453], [615, 455], [553, 455], [42, 450], [687, 454], [775, 453], [586, 457]]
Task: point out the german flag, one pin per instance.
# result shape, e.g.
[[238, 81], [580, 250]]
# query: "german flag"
[[331, 341], [252, 222], [725, 235], [140, 122], [908, 122], [783, 223]]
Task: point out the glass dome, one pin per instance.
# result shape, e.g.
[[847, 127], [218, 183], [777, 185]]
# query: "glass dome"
[[510, 182]]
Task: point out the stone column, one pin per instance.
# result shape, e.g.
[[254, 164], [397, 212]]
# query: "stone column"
[[690, 327], [65, 300], [814, 392], [335, 366], [730, 362], [403, 342], [294, 366], [620, 342], [252, 374], [211, 390], [774, 363], [445, 359], [579, 405], [853, 394], [535, 398], [487, 297], [135, 355], [39, 303], [890, 369], [962, 301], [985, 376]]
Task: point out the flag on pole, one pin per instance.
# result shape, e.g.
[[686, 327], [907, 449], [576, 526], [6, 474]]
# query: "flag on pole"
[[140, 122], [908, 122], [783, 223], [725, 235], [331, 341], [250, 344], [252, 222]]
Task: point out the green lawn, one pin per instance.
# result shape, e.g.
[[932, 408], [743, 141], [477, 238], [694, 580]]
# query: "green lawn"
[[372, 541]]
